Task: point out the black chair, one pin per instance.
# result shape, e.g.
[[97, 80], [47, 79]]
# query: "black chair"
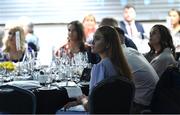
[[15, 100], [33, 47], [166, 98], [86, 75], [111, 96]]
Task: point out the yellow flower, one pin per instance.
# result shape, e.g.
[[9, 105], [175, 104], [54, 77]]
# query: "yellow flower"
[[8, 65]]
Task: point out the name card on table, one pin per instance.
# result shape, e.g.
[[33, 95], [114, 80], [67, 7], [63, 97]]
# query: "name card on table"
[[28, 84], [73, 91], [72, 88], [66, 84]]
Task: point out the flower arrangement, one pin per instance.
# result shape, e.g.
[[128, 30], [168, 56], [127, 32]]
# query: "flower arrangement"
[[8, 65]]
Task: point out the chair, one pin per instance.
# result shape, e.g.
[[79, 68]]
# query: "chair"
[[86, 75], [15, 100], [166, 95], [111, 96], [33, 47]]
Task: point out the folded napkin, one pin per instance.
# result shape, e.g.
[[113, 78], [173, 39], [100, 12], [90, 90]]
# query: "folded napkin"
[[28, 84], [72, 88], [74, 91], [66, 84]]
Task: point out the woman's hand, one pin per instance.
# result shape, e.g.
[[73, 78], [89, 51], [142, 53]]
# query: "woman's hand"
[[70, 104], [82, 99], [79, 100]]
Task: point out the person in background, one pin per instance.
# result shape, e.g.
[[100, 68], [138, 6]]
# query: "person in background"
[[106, 43], [76, 43], [1, 39], [15, 53], [144, 76], [113, 22], [31, 39], [162, 48], [1, 44], [131, 27], [89, 23], [174, 16], [134, 29]]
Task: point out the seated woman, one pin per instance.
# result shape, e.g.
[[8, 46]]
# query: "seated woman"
[[106, 43], [15, 53], [162, 49], [76, 43], [174, 16]]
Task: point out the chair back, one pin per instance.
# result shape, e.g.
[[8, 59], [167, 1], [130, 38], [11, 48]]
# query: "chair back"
[[167, 92], [15, 100], [111, 96]]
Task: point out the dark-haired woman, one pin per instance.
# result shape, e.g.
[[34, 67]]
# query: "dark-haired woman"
[[162, 48], [76, 43]]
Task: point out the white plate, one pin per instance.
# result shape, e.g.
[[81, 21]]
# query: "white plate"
[[48, 88], [84, 83]]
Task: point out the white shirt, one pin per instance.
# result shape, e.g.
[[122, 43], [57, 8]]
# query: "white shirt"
[[144, 76], [132, 30], [32, 38], [176, 40]]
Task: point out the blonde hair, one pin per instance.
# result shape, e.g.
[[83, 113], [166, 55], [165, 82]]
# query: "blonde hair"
[[86, 29], [15, 29], [89, 16]]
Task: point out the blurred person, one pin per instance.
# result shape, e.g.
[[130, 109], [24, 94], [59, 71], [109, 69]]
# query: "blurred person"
[[31, 39], [134, 29], [162, 51], [174, 21], [1, 39], [113, 22], [106, 43], [1, 44], [15, 53], [174, 16], [131, 27], [89, 23], [144, 76], [76, 43]]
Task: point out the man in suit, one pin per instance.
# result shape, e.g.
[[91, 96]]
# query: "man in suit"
[[129, 25]]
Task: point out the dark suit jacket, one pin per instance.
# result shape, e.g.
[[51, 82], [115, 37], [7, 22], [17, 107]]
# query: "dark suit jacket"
[[130, 43], [138, 26]]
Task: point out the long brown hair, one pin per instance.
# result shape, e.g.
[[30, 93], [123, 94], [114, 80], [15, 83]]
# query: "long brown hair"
[[115, 53], [80, 34]]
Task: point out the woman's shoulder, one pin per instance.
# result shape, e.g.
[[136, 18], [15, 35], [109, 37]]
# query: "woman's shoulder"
[[167, 53], [61, 48], [103, 63], [165, 56]]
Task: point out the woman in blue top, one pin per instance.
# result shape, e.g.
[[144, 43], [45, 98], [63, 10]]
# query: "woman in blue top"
[[106, 43]]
